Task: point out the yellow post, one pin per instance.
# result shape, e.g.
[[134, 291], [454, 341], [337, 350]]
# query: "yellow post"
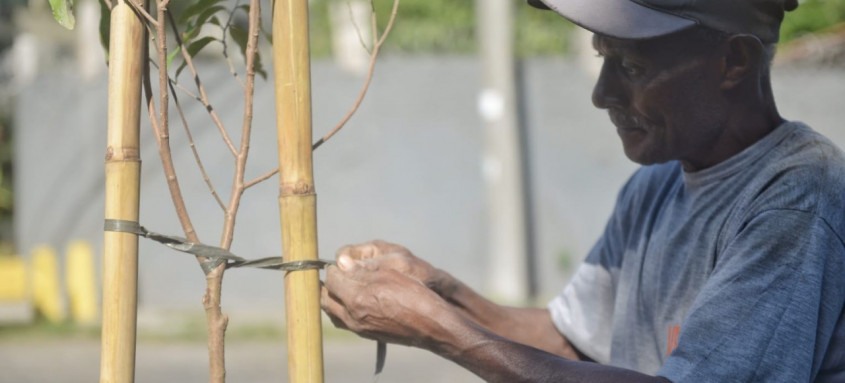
[[123, 173], [46, 289], [13, 279], [297, 201], [81, 280]]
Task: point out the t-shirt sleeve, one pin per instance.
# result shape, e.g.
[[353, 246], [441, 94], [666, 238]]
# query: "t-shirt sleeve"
[[583, 312], [769, 310]]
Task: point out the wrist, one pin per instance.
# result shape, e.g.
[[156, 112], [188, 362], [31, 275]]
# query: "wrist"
[[458, 336], [442, 283]]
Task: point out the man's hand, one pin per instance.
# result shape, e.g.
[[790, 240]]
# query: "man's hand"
[[400, 259], [371, 298], [377, 295], [377, 290]]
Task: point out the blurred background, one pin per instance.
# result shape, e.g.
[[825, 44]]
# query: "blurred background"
[[477, 147]]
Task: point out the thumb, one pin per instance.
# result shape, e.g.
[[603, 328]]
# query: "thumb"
[[345, 262]]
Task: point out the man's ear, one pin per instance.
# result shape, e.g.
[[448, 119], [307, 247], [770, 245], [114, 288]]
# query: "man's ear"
[[743, 57]]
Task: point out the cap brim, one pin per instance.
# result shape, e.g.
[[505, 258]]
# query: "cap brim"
[[623, 19]]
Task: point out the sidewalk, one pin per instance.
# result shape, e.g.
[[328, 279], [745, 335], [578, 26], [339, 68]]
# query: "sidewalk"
[[346, 360]]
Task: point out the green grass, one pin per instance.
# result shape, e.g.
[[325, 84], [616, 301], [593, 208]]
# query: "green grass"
[[812, 16], [448, 27], [46, 330], [186, 331], [444, 26]]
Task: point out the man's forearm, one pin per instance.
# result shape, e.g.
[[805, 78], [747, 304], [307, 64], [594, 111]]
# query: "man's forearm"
[[467, 301], [531, 326], [496, 359]]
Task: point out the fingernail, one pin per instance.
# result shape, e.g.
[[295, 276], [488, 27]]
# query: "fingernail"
[[345, 262]]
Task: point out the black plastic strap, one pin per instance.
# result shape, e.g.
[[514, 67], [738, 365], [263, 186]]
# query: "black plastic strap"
[[218, 255], [215, 255]]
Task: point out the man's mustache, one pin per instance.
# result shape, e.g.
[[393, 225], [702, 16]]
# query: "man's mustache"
[[624, 120]]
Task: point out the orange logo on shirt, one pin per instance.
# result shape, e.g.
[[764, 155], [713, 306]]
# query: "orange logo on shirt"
[[672, 338]]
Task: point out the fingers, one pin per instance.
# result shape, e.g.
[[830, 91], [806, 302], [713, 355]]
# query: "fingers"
[[346, 299], [340, 293], [360, 251], [371, 249], [338, 282], [336, 312], [381, 304], [388, 247]]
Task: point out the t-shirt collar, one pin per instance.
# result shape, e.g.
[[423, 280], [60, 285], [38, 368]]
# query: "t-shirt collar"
[[742, 159]]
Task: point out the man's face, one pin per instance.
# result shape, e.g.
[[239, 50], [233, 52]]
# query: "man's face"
[[664, 97]]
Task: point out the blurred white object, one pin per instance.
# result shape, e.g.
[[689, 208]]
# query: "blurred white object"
[[351, 28], [24, 58], [588, 60], [89, 51]]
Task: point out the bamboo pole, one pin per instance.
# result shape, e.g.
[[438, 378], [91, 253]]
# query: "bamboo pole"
[[123, 173], [297, 201]]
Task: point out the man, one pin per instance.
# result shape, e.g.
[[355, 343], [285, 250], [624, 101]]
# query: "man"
[[723, 260]]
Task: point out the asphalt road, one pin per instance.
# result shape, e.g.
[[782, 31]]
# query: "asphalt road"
[[346, 361]]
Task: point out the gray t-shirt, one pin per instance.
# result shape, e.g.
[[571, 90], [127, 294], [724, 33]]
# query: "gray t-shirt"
[[735, 273]]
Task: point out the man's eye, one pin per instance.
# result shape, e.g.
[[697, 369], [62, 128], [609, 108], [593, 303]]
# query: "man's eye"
[[631, 69]]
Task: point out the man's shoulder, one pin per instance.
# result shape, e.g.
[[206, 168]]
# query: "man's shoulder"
[[809, 160], [806, 171], [804, 146]]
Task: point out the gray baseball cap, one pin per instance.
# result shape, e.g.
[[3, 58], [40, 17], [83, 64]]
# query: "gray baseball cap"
[[643, 19]]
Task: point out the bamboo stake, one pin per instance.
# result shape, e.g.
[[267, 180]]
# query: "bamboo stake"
[[297, 201], [123, 173]]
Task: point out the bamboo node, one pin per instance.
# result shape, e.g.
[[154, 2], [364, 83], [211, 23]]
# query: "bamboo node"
[[299, 188], [124, 154]]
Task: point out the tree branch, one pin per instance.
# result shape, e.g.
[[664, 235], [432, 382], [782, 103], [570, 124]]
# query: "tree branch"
[[223, 41], [203, 96], [216, 320], [193, 146], [138, 8], [246, 128], [163, 132], [261, 178], [357, 28], [378, 42]]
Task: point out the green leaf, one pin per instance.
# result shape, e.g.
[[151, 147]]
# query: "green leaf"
[[172, 55], [259, 68], [194, 48], [195, 24], [240, 36], [268, 34], [198, 45], [105, 27], [203, 17], [196, 9], [63, 12]]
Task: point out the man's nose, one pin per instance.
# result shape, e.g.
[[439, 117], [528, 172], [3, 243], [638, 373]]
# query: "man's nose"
[[608, 91]]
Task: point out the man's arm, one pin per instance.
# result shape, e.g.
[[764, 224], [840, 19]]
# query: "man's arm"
[[530, 326], [386, 305], [495, 359]]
